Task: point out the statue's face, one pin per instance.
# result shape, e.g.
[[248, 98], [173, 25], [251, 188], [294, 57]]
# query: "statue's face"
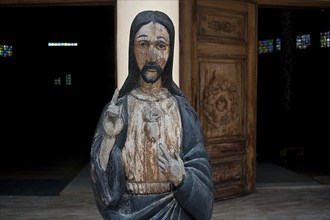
[[151, 49]]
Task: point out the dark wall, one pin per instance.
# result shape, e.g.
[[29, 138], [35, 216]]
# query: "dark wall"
[[42, 121], [292, 106]]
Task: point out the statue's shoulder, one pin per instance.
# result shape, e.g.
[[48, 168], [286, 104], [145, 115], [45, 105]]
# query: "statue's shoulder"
[[182, 100], [186, 108]]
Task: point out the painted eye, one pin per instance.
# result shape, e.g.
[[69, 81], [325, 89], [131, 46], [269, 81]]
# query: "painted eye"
[[161, 46], [143, 44]]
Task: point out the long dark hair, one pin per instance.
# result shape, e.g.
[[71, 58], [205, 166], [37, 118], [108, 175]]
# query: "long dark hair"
[[132, 80]]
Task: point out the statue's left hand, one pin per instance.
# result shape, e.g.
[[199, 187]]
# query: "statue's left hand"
[[172, 168]]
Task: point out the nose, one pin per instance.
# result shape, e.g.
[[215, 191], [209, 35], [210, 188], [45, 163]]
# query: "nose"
[[152, 53]]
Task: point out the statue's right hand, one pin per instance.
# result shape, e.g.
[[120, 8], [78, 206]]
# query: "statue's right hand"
[[114, 110], [113, 122]]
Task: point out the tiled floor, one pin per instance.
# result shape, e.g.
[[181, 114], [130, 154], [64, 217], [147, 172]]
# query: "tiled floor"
[[283, 199]]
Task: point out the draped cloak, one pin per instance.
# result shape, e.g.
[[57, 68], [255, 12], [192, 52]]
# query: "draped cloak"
[[192, 199]]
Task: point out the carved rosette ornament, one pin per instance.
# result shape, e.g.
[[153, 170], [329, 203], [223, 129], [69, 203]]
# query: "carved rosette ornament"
[[220, 102]]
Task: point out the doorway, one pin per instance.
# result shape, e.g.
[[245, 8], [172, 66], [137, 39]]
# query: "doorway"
[[292, 89], [59, 76]]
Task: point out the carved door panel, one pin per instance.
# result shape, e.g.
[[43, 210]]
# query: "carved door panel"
[[223, 87]]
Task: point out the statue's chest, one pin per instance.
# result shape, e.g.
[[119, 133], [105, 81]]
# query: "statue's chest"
[[149, 124]]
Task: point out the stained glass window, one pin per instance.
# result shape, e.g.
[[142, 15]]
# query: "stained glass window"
[[325, 39], [278, 43], [303, 41], [265, 46], [68, 79], [6, 50], [57, 81]]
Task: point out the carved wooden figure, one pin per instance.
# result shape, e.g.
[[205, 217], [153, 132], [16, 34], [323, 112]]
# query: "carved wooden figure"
[[148, 158]]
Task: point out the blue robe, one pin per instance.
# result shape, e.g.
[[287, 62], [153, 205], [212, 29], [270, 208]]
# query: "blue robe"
[[192, 199]]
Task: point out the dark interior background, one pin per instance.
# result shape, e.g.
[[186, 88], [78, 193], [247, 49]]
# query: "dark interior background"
[[293, 113], [42, 122]]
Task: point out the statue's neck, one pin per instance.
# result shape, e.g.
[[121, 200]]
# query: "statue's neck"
[[151, 88]]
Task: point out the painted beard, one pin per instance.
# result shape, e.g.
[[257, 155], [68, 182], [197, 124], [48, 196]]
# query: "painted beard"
[[148, 78]]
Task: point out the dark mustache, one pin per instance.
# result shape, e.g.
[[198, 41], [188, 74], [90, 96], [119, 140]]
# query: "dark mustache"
[[151, 65]]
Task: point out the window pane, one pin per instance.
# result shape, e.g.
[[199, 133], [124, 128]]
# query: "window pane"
[[266, 46], [6, 50], [325, 39], [303, 41]]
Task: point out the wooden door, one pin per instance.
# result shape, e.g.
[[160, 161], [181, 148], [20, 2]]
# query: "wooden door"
[[218, 75]]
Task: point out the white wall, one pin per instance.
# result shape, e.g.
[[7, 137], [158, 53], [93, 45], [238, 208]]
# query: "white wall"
[[126, 11]]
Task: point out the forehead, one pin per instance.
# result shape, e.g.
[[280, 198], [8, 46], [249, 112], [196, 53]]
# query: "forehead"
[[151, 28]]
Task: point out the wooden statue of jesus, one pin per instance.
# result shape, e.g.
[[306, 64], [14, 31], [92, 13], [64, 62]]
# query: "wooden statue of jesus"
[[148, 157]]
